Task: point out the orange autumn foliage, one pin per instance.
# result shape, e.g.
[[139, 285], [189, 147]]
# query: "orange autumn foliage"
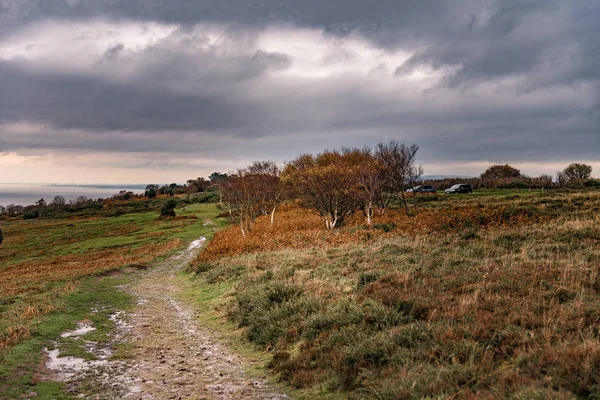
[[26, 276], [296, 227]]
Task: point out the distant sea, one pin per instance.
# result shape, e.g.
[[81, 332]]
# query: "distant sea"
[[27, 193]]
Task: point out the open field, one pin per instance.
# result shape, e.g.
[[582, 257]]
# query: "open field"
[[488, 296], [493, 295], [53, 272]]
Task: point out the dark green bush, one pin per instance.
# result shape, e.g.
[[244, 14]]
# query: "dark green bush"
[[592, 183], [202, 267], [31, 214], [270, 311], [168, 208], [206, 197], [517, 185], [413, 336], [343, 313]]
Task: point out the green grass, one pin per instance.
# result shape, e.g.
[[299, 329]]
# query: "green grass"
[[34, 242], [507, 192], [77, 236], [20, 363]]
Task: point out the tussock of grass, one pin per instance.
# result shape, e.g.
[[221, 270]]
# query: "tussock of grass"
[[477, 310]]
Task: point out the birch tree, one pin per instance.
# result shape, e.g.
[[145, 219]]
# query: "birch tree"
[[327, 183], [252, 191], [240, 197], [266, 176], [398, 162], [369, 178]]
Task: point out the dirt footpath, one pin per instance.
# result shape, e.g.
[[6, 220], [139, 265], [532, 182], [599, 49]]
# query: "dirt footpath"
[[171, 357]]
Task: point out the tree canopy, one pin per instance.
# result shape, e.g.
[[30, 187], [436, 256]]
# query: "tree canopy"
[[327, 183], [578, 172], [501, 172]]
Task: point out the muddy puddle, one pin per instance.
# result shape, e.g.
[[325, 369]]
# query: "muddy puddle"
[[108, 374], [82, 329]]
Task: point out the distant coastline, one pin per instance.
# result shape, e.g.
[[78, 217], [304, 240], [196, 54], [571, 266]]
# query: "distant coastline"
[[90, 185], [28, 193]]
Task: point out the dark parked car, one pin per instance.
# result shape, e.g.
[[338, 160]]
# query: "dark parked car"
[[460, 188], [424, 189]]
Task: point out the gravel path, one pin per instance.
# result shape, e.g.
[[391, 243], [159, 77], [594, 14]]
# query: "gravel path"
[[172, 357]]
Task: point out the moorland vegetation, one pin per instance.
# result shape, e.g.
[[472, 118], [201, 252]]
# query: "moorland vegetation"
[[350, 283], [490, 295]]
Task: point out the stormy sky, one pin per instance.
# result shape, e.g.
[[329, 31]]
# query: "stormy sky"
[[138, 91]]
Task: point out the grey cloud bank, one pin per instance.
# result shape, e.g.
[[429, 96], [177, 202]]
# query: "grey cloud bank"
[[472, 82]]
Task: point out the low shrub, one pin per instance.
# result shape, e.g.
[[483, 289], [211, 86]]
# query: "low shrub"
[[168, 208], [31, 214], [206, 197], [592, 183]]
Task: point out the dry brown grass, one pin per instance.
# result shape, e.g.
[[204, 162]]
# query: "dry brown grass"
[[505, 304], [59, 274], [24, 277], [42, 260], [296, 227]]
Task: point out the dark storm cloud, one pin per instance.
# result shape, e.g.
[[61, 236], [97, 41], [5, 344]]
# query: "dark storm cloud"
[[484, 39], [81, 102], [546, 43], [542, 59], [339, 16]]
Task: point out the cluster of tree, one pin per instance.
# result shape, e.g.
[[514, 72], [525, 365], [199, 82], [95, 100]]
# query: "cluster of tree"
[[11, 209], [252, 191], [335, 183], [192, 186], [152, 190], [339, 183], [123, 195], [58, 205], [197, 185], [576, 175], [507, 177], [200, 185]]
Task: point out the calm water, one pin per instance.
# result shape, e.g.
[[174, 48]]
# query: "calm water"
[[26, 194]]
